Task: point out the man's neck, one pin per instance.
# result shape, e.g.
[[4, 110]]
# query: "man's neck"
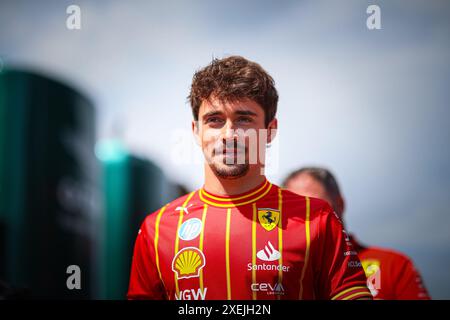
[[229, 187]]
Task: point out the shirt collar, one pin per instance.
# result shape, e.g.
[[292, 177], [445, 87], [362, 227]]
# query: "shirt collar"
[[235, 200]]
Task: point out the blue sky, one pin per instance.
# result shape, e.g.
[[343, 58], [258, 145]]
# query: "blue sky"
[[372, 105]]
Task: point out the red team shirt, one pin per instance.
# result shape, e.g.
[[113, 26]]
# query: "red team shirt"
[[267, 243], [390, 274]]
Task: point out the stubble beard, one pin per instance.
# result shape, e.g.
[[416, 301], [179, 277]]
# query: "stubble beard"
[[232, 171]]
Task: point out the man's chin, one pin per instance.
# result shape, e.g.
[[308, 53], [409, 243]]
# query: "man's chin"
[[230, 171]]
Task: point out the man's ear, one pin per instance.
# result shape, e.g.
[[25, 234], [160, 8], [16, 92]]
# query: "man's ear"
[[272, 130], [195, 131]]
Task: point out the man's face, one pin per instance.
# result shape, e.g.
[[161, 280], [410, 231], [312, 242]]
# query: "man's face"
[[232, 135], [306, 185]]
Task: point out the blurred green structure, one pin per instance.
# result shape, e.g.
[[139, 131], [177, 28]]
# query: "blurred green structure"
[[63, 204], [48, 185], [132, 188]]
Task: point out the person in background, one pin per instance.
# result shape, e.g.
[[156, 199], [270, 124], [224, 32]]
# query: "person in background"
[[390, 274]]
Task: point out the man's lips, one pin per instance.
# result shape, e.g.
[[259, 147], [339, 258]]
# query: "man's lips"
[[229, 151]]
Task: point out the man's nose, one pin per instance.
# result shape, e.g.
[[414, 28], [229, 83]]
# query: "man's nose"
[[229, 131]]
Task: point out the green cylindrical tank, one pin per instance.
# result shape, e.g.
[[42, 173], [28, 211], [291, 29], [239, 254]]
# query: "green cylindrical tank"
[[49, 187], [133, 187]]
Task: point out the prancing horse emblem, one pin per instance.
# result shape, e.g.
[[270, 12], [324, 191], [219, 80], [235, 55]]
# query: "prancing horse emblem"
[[268, 218]]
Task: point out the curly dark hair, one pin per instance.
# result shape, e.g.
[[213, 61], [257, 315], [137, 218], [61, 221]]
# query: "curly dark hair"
[[234, 78]]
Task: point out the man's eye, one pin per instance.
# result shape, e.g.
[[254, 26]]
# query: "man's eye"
[[213, 120], [244, 120]]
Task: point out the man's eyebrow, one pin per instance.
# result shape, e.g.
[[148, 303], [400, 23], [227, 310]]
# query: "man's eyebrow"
[[245, 113], [212, 113]]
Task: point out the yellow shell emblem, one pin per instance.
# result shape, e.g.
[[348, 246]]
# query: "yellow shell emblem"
[[188, 262], [268, 218]]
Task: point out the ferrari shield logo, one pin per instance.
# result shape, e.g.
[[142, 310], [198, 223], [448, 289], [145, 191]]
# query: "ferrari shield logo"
[[370, 266], [268, 218]]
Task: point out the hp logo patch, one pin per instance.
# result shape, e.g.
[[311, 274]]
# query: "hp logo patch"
[[190, 229]]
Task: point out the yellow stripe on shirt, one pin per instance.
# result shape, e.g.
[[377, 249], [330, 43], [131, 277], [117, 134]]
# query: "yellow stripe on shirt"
[[308, 240], [177, 239], [227, 254], [358, 294], [254, 295], [280, 239], [236, 204], [205, 208], [340, 294], [204, 192]]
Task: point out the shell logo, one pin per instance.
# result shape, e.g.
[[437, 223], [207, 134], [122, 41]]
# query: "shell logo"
[[188, 262]]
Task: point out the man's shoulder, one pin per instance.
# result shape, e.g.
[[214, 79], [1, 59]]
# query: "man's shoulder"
[[385, 254], [175, 205], [298, 202]]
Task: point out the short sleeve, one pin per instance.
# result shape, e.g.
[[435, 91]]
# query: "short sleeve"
[[144, 279], [341, 276], [409, 283]]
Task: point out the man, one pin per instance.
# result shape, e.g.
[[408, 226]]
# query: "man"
[[390, 275], [240, 236]]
